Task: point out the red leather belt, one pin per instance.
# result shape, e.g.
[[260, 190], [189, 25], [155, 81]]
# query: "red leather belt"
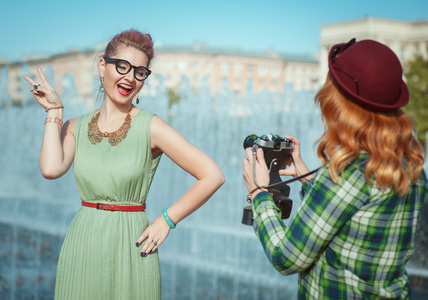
[[113, 207]]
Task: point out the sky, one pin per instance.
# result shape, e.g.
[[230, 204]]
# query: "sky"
[[286, 26]]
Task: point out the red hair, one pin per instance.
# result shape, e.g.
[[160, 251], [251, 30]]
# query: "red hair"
[[387, 138], [131, 38]]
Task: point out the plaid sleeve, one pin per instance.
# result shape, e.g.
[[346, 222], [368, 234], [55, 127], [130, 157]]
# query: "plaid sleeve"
[[325, 207], [306, 187]]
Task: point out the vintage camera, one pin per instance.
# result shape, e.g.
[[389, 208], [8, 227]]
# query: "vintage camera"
[[277, 152]]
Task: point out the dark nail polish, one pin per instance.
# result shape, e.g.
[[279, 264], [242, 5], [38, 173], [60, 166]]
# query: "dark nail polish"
[[142, 254], [137, 244], [36, 86]]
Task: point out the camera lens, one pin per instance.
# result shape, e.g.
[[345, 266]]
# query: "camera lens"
[[249, 141]]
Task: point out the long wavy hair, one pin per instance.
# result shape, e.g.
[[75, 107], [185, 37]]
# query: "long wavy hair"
[[395, 155]]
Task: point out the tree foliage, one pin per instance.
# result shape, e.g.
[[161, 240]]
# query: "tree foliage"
[[173, 97], [416, 74]]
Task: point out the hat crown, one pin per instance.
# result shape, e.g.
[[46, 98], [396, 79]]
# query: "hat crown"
[[377, 72]]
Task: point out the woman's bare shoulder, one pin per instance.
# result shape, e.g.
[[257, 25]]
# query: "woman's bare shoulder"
[[69, 125]]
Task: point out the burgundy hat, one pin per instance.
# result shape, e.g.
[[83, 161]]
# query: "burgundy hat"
[[370, 74]]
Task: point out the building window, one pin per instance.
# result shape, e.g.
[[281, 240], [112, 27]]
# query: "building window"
[[225, 68], [238, 68], [276, 71], [182, 65], [209, 67], [263, 70], [196, 66]]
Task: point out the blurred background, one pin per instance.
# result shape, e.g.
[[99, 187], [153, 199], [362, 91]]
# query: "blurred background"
[[222, 70]]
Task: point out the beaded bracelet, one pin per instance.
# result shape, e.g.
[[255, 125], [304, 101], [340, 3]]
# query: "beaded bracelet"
[[170, 222], [54, 107], [54, 120]]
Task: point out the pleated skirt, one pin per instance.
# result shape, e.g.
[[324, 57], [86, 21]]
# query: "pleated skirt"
[[99, 259]]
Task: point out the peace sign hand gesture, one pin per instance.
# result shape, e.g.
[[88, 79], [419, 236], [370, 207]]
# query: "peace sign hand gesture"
[[44, 93]]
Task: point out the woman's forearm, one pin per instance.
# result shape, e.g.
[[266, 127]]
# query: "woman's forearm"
[[52, 154], [196, 196]]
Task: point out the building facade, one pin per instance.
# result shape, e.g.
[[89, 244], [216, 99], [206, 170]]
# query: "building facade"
[[265, 71]]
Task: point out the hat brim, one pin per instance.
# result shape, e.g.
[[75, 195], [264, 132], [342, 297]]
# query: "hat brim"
[[341, 79]]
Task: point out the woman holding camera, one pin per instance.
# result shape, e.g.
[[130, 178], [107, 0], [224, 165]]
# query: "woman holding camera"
[[110, 250], [354, 230]]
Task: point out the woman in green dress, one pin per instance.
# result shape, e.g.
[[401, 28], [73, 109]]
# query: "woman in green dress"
[[110, 249]]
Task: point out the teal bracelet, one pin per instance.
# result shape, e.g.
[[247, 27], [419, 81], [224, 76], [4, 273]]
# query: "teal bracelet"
[[170, 222]]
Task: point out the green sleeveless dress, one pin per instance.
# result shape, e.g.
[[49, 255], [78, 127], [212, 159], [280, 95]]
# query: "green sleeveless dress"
[[99, 259]]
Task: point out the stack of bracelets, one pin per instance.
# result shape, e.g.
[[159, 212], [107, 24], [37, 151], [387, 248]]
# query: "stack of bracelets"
[[170, 222], [54, 119]]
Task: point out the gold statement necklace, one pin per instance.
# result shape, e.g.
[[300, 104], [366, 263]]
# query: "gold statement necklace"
[[96, 136]]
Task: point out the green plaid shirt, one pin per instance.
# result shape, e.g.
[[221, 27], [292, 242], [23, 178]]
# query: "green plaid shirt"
[[348, 240]]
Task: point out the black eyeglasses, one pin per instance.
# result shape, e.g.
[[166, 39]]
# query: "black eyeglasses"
[[337, 52], [123, 67]]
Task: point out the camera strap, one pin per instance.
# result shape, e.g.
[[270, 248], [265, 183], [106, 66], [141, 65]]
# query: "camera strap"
[[282, 182]]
